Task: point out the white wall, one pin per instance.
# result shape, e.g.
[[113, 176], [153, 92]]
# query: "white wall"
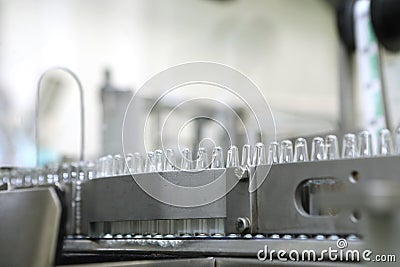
[[288, 47]]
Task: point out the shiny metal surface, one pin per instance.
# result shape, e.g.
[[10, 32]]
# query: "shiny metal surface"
[[206, 262], [279, 209], [204, 247], [29, 227], [213, 262], [120, 198], [110, 207], [274, 208], [235, 262]]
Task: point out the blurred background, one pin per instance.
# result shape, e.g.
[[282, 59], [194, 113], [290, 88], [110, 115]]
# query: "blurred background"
[[289, 48]]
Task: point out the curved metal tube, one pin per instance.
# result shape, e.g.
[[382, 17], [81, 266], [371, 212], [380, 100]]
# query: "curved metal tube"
[[82, 107]]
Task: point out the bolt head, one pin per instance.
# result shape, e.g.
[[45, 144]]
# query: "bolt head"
[[242, 224]]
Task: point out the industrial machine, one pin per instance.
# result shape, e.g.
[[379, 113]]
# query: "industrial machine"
[[277, 206], [300, 205]]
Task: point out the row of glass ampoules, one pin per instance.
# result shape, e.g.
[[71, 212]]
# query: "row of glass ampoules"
[[54, 173], [353, 146], [158, 161], [327, 148]]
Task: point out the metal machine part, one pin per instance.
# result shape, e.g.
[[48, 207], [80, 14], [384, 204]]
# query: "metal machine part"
[[283, 186], [246, 246], [385, 18], [118, 205], [30, 224], [380, 203], [382, 208], [285, 203], [215, 262], [112, 218]]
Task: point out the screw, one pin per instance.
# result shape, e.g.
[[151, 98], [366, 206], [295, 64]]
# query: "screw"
[[243, 224]]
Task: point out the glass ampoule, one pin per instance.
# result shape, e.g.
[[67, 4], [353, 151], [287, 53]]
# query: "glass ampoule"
[[118, 165], [259, 157], [82, 171], [397, 141], [57, 172], [6, 176], [65, 171], [186, 162], [90, 170], [19, 178], [364, 144], [100, 167], [159, 160], [47, 174], [273, 153], [202, 159], [73, 172], [331, 147], [317, 149], [286, 152], [128, 163], [300, 150], [42, 176], [349, 149], [52, 174], [246, 156], [149, 165], [232, 157], [108, 165], [137, 165], [170, 160], [385, 143], [217, 158]]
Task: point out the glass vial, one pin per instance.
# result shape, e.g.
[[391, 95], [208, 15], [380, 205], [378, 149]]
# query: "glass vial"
[[217, 158], [118, 165], [273, 153], [137, 165], [246, 156], [385, 143], [300, 150], [108, 165], [159, 160], [202, 159], [364, 144], [128, 163], [149, 165], [317, 149], [232, 158], [286, 151], [331, 147], [186, 163], [170, 161], [349, 149], [259, 157], [397, 141]]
